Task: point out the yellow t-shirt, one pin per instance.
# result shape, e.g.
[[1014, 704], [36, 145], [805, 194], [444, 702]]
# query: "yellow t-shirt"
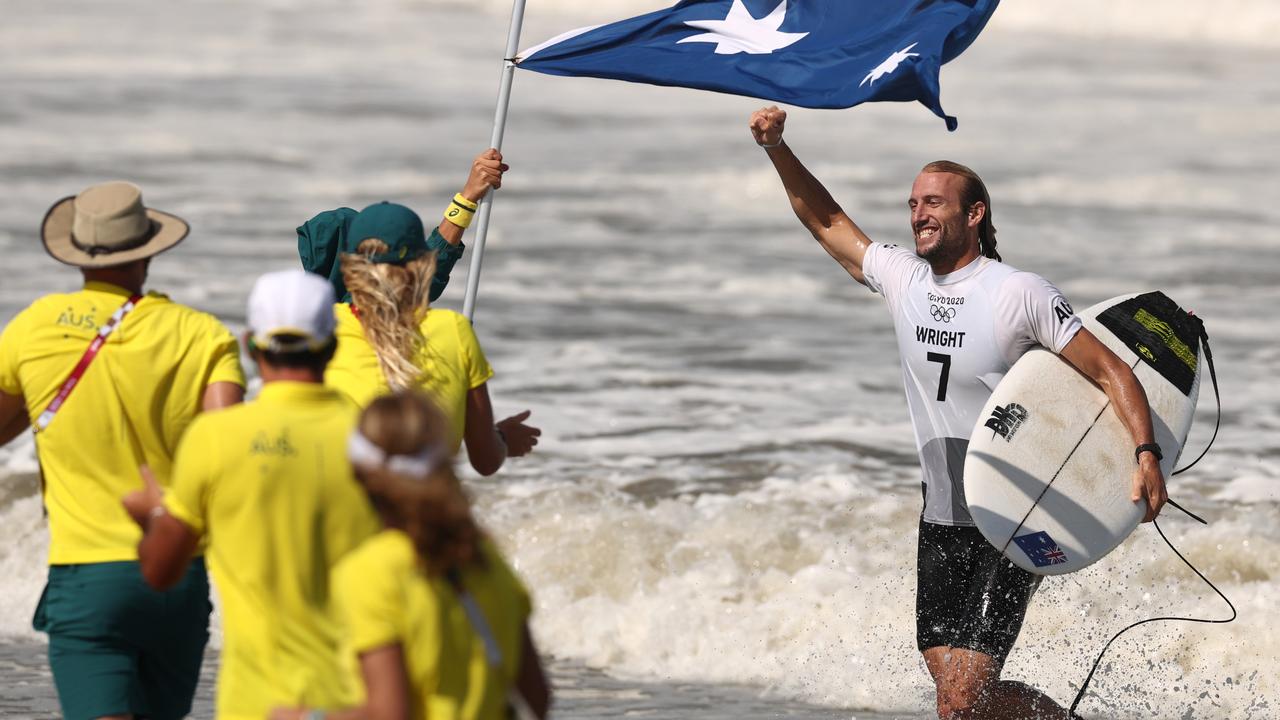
[[268, 485], [132, 405], [383, 599], [452, 364]]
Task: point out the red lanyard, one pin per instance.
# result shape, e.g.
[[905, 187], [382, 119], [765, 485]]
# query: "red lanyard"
[[78, 372]]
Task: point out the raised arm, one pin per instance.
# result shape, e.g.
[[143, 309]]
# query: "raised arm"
[[813, 205], [1088, 355], [486, 174]]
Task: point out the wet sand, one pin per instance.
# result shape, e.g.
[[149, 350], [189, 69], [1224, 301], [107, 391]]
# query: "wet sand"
[[27, 693]]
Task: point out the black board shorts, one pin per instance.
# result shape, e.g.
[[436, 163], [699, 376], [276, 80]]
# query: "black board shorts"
[[968, 595]]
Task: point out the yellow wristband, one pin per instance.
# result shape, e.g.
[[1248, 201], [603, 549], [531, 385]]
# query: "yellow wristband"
[[460, 211]]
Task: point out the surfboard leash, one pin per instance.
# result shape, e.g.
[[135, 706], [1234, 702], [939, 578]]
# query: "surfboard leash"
[[1098, 660], [1208, 354]]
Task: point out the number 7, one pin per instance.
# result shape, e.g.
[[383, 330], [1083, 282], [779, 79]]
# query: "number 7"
[[946, 372]]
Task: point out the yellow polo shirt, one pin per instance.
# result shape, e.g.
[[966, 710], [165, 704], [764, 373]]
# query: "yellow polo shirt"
[[384, 599], [451, 360], [131, 407], [268, 486]]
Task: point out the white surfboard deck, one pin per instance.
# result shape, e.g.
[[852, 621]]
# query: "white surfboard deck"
[[1049, 466]]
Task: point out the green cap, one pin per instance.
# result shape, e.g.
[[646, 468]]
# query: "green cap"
[[323, 238], [396, 225]]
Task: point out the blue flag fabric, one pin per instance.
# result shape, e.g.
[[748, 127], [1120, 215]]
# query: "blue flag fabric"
[[811, 53]]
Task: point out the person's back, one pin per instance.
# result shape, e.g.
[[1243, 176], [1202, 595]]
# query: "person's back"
[[131, 406], [450, 359], [434, 622], [109, 379], [382, 261], [391, 340], [269, 485], [384, 597], [267, 488]]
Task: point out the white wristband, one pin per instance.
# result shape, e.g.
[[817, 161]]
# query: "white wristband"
[[766, 146]]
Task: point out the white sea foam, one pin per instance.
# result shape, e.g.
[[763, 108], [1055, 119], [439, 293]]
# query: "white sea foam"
[[805, 585]]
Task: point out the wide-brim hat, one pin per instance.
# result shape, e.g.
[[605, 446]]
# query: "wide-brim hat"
[[108, 225]]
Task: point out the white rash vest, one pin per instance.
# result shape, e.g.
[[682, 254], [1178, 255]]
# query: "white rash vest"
[[958, 334]]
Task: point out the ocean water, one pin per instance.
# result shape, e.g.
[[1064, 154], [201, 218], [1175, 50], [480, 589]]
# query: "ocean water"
[[727, 490]]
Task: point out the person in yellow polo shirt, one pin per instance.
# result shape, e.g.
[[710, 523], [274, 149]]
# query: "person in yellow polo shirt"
[[268, 487], [110, 377], [386, 272], [434, 620]]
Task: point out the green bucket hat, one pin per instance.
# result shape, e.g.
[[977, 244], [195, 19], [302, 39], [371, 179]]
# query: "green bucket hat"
[[324, 238]]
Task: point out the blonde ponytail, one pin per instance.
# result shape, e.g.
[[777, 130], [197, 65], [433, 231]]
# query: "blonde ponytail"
[[392, 301]]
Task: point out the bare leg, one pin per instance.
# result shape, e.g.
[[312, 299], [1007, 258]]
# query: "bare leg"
[[970, 688]]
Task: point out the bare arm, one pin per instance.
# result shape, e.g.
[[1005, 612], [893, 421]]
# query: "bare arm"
[[486, 174], [813, 205], [167, 544], [532, 681], [490, 444], [1096, 361], [13, 417], [485, 448], [221, 395], [386, 685]]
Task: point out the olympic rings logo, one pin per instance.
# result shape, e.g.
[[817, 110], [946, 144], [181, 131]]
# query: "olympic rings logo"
[[941, 313]]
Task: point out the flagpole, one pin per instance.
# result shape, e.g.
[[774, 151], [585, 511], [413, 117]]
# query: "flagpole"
[[499, 126]]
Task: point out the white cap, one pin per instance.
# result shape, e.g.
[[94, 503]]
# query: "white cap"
[[291, 303]]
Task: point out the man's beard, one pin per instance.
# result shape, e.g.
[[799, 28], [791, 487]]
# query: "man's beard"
[[944, 247]]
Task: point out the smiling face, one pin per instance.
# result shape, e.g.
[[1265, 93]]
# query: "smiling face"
[[946, 231]]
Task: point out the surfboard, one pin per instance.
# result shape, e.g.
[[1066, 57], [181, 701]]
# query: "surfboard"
[[1048, 471]]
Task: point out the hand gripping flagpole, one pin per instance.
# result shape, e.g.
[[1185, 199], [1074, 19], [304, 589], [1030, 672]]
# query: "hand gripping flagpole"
[[499, 125]]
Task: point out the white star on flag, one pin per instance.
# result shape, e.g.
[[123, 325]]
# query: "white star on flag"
[[890, 64], [740, 32]]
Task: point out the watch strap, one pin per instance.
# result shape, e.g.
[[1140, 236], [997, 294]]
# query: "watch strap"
[[1152, 448]]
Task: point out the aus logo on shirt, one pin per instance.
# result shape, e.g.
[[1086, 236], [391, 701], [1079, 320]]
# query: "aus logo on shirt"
[[86, 321], [279, 446], [1062, 310]]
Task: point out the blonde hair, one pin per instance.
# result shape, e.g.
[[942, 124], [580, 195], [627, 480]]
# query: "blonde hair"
[[434, 510], [392, 301]]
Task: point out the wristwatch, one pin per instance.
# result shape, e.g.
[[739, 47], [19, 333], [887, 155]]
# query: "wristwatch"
[[1152, 448]]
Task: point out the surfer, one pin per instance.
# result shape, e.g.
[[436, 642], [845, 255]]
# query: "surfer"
[[110, 378], [962, 318]]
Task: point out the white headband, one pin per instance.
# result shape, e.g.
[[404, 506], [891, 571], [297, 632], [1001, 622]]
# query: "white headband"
[[362, 452]]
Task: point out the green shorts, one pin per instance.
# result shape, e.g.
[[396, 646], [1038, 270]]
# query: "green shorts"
[[116, 646]]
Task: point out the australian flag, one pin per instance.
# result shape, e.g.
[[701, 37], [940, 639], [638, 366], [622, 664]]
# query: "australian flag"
[[811, 53], [1041, 549]]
